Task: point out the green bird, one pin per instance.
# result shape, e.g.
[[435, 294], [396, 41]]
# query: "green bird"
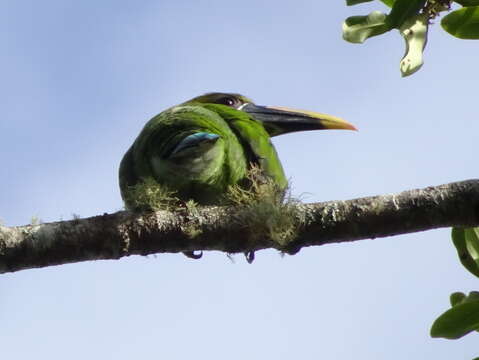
[[204, 145]]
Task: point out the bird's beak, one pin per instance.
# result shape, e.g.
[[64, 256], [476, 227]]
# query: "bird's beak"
[[279, 120]]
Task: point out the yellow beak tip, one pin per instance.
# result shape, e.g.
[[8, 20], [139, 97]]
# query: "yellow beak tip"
[[352, 127]]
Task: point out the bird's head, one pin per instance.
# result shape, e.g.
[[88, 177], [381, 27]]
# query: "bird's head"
[[277, 120]]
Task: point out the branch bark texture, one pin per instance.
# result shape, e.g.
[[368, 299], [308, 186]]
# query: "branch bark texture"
[[112, 236]]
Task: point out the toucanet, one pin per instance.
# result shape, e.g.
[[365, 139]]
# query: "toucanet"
[[202, 146]]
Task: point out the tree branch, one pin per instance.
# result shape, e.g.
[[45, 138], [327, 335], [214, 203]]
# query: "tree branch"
[[112, 236]]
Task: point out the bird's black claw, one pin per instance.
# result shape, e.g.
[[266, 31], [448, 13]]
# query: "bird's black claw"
[[291, 249], [193, 255], [249, 256]]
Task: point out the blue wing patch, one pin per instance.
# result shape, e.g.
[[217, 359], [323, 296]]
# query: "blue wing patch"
[[195, 140]]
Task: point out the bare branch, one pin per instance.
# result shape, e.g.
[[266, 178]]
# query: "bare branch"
[[111, 236]]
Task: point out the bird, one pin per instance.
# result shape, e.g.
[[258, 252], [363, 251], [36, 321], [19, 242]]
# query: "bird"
[[204, 145]]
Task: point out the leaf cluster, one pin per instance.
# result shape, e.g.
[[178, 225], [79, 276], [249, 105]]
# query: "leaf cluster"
[[463, 317], [412, 19]]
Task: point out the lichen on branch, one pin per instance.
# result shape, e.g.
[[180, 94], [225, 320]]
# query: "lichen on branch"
[[112, 236]]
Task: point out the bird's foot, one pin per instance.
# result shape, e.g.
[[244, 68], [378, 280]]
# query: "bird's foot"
[[249, 255], [193, 255], [291, 249]]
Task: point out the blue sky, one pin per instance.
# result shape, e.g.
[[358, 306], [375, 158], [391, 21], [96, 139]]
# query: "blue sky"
[[80, 79]]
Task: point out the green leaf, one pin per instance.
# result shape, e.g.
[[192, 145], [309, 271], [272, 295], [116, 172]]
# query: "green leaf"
[[467, 2], [473, 296], [466, 240], [414, 32], [457, 298], [402, 10], [472, 243], [463, 23], [457, 321], [355, 2], [357, 29], [389, 3]]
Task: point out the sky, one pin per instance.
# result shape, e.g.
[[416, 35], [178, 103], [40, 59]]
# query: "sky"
[[81, 78]]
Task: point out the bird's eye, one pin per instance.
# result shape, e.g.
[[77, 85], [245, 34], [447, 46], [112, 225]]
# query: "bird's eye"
[[228, 101]]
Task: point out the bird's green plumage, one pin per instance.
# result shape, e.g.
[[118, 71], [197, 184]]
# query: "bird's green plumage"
[[229, 140]]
